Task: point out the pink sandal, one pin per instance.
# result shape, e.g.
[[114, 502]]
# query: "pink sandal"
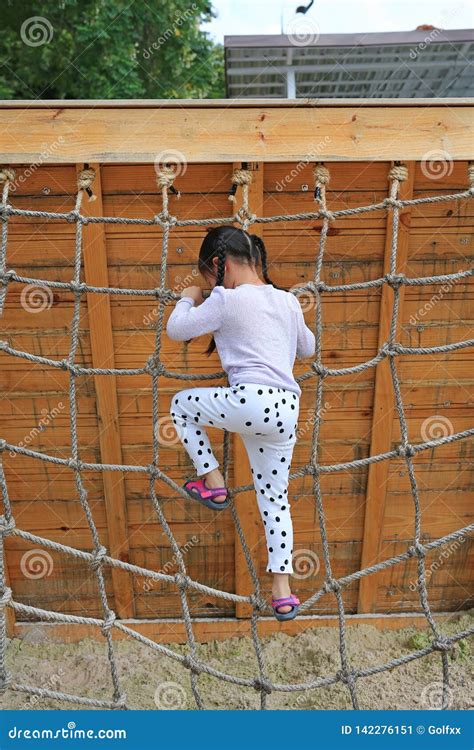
[[198, 490], [285, 601]]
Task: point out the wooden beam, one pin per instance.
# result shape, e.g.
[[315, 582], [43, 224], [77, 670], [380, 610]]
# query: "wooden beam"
[[102, 350], [207, 629], [217, 134], [246, 502], [384, 411]]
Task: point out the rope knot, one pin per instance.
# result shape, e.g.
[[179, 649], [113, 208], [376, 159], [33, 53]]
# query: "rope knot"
[[190, 663], [320, 369], [72, 216], [121, 701], [6, 526], [153, 366], [332, 584], [181, 580], [109, 621], [390, 349], [416, 550], [98, 559], [393, 202], [395, 279], [257, 603], [242, 177], [3, 444], [442, 644], [165, 176], [6, 597], [327, 214], [261, 684], [321, 174], [7, 174], [470, 173], [347, 676], [406, 450], [7, 276], [85, 178], [398, 172]]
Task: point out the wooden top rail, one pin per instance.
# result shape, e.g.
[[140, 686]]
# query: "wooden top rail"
[[229, 130]]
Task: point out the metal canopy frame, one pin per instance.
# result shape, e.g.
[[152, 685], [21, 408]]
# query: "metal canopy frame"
[[391, 64]]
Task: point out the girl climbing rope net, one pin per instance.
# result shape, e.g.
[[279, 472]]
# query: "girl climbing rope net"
[[259, 330]]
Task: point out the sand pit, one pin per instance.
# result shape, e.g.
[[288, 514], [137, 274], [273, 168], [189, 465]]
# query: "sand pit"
[[154, 682]]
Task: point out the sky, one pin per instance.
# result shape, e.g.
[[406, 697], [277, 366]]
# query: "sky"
[[337, 16]]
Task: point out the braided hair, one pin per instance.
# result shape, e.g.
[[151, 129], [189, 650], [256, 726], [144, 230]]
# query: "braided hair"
[[241, 246]]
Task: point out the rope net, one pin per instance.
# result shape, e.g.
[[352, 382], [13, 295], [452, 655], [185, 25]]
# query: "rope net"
[[98, 558]]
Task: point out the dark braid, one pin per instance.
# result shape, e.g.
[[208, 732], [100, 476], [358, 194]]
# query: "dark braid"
[[253, 247], [221, 251], [258, 242]]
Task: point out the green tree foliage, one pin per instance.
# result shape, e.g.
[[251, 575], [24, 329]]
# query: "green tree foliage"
[[108, 49]]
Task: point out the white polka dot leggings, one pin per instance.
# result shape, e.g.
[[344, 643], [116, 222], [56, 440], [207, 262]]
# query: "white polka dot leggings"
[[266, 417]]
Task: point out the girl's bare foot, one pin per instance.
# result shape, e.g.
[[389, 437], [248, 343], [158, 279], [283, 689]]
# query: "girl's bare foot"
[[214, 479]]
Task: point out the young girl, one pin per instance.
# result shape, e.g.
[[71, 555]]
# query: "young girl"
[[258, 330]]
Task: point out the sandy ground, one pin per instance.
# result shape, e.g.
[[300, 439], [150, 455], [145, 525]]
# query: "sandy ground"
[[153, 681]]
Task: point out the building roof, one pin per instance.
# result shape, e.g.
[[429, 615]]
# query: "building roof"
[[426, 62]]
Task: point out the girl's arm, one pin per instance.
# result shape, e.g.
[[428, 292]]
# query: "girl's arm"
[[306, 341], [188, 320]]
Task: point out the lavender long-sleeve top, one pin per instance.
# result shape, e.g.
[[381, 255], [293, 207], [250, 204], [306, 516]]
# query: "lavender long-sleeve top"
[[259, 332]]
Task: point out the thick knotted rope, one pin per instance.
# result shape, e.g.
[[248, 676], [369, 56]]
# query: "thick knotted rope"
[[98, 558]]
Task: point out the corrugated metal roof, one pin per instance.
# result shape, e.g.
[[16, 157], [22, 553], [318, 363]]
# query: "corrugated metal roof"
[[425, 63]]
